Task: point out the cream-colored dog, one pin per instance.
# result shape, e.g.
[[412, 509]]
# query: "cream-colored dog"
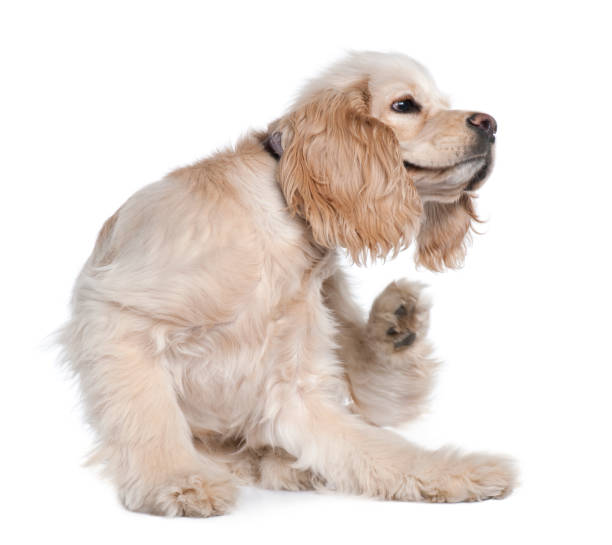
[[213, 334]]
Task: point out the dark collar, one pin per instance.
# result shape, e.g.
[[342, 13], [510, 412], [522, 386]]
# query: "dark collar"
[[272, 144]]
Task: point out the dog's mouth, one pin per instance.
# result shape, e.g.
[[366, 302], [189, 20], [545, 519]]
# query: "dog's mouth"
[[479, 178], [468, 174]]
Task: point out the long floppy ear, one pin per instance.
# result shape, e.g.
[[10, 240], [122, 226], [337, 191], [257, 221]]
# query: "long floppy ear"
[[445, 233], [342, 171]]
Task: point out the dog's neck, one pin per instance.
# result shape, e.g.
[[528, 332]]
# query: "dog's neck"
[[323, 258]]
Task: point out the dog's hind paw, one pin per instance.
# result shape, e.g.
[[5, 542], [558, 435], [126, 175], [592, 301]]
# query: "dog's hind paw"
[[472, 477]]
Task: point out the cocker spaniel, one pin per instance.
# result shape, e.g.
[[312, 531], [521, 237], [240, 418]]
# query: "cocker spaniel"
[[214, 335]]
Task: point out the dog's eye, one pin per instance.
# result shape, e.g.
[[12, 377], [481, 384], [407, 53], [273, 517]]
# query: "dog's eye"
[[406, 106]]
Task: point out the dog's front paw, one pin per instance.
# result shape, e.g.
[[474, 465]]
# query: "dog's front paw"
[[188, 496], [399, 315]]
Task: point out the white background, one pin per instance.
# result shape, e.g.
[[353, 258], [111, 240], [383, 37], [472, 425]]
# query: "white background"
[[98, 99]]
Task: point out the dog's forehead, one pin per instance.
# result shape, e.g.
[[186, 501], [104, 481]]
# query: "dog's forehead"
[[397, 74], [386, 74]]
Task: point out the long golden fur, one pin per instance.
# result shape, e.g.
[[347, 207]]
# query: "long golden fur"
[[215, 338]]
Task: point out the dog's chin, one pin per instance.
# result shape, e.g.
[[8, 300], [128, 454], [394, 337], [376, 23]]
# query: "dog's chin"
[[448, 183]]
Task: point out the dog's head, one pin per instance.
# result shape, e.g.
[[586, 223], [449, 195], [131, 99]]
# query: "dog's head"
[[372, 157]]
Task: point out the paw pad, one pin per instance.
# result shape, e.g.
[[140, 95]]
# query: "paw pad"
[[399, 315], [406, 341], [401, 310]]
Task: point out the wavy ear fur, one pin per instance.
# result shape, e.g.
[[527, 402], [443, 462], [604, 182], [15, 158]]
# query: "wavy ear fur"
[[445, 233], [342, 171]]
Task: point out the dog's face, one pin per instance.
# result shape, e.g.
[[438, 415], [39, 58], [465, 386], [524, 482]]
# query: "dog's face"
[[373, 157], [447, 152]]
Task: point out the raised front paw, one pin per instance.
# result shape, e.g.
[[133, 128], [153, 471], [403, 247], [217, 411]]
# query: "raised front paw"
[[400, 315]]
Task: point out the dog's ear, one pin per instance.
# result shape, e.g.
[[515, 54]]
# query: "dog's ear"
[[445, 233], [342, 171]]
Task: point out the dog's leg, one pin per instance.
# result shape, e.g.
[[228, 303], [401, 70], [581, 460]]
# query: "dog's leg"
[[388, 358], [356, 457], [267, 467], [277, 471], [145, 442]]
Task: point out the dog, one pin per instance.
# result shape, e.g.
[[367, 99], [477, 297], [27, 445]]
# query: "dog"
[[213, 333]]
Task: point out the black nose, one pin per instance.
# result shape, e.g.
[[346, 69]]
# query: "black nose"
[[483, 122]]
